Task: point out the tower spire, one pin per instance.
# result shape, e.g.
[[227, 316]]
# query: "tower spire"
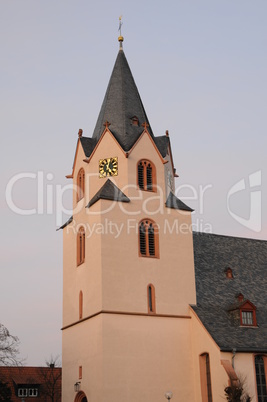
[[120, 38]]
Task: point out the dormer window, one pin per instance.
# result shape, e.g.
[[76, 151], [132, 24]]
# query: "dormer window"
[[248, 315], [229, 273], [135, 121], [244, 311], [240, 297]]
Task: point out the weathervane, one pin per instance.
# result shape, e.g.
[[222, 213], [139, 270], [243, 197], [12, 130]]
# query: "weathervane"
[[120, 38], [120, 24]]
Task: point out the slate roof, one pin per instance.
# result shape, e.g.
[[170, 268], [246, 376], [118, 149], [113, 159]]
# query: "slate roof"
[[109, 191], [162, 143], [216, 293], [66, 223], [32, 377], [175, 203], [88, 144], [121, 103]]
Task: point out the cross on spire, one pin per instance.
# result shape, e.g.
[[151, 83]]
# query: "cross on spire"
[[106, 124], [145, 125]]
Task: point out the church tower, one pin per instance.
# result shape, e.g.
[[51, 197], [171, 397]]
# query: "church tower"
[[128, 261]]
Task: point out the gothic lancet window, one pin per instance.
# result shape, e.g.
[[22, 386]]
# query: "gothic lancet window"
[[205, 377], [146, 175], [261, 378], [80, 184], [151, 299], [80, 305], [80, 246], [148, 239]]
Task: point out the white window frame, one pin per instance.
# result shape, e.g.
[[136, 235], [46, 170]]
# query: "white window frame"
[[22, 392], [33, 392]]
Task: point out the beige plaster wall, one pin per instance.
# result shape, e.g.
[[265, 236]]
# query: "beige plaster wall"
[[245, 370], [243, 364], [127, 357], [126, 274], [82, 345], [86, 277], [142, 358], [202, 342]]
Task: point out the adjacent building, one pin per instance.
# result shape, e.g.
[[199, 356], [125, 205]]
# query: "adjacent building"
[[40, 384]]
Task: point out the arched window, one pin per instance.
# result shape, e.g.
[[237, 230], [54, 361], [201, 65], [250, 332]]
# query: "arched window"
[[80, 305], [260, 378], [146, 175], [205, 377], [80, 184], [148, 239], [151, 299], [80, 246]]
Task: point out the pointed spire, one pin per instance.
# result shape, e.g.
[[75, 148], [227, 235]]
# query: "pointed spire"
[[121, 104]]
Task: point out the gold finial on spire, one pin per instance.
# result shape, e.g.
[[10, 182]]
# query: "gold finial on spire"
[[120, 38]]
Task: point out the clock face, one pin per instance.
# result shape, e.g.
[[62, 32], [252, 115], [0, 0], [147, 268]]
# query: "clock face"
[[108, 167]]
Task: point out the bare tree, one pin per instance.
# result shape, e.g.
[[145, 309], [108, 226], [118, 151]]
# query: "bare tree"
[[51, 379], [5, 392], [9, 348], [235, 391]]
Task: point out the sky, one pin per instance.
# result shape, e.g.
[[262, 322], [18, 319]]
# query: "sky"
[[200, 67]]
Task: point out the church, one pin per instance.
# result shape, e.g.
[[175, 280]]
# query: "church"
[[151, 310]]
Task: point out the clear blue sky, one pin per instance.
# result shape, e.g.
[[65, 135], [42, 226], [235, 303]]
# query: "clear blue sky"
[[200, 67]]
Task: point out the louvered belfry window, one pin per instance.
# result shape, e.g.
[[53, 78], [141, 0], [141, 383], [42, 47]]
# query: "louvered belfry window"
[[148, 239], [80, 246], [146, 175]]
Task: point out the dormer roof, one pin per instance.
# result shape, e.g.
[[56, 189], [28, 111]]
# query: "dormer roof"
[[174, 203], [109, 191]]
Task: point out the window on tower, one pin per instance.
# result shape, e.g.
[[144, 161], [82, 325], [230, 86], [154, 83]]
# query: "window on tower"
[[151, 299], [80, 305], [80, 246], [80, 184], [148, 239], [146, 175]]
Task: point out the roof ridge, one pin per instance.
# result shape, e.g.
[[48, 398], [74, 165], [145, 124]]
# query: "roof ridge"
[[229, 236]]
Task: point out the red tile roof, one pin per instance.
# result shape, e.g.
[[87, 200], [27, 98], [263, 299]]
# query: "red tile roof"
[[43, 378]]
